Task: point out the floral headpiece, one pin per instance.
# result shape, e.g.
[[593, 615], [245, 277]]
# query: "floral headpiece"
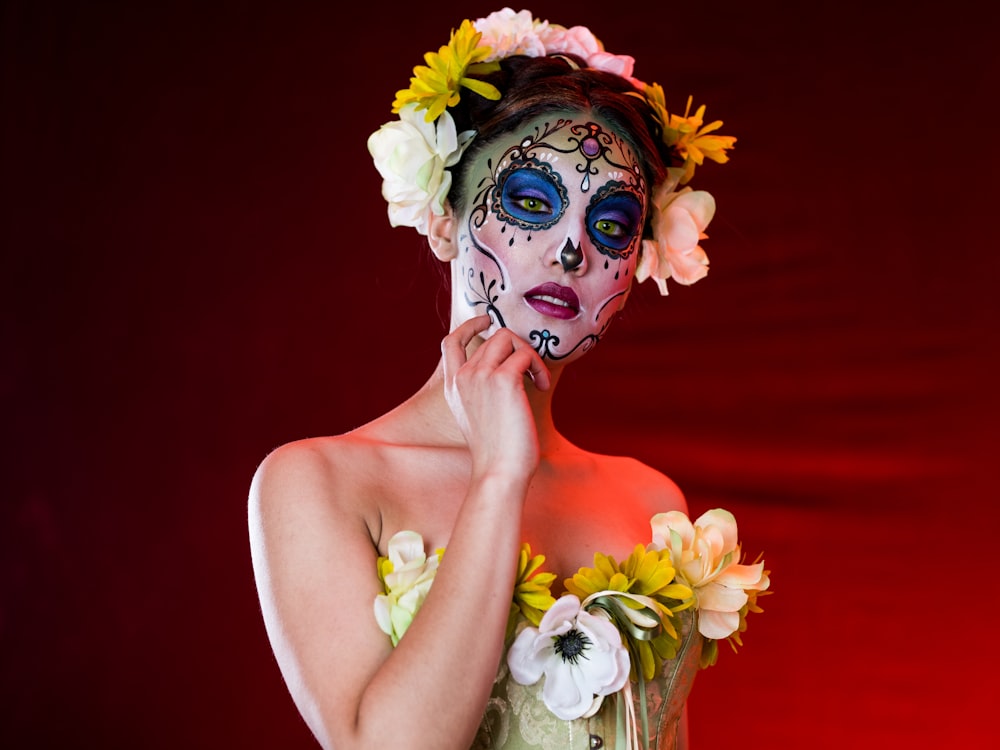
[[414, 152]]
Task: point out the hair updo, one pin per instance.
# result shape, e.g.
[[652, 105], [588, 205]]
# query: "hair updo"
[[533, 86]]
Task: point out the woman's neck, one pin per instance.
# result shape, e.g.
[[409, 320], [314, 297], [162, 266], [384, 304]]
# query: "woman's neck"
[[433, 411]]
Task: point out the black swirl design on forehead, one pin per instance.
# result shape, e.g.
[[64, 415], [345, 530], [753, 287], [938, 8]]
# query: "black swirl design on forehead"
[[596, 145], [590, 141], [593, 143]]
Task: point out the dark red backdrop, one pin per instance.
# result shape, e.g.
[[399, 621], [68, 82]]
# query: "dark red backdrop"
[[197, 267]]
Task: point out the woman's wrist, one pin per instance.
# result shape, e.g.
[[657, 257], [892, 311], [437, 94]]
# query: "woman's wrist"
[[506, 484]]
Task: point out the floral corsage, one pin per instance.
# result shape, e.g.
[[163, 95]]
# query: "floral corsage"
[[414, 153], [615, 623], [406, 575]]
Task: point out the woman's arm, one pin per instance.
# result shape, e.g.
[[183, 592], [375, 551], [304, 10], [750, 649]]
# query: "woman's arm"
[[315, 565]]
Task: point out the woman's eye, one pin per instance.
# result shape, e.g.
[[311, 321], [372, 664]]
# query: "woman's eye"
[[532, 204], [615, 219], [610, 228], [531, 196]]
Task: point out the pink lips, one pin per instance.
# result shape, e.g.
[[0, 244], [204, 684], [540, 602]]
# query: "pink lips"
[[553, 300]]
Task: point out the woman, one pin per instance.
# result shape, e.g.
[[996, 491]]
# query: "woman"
[[548, 179]]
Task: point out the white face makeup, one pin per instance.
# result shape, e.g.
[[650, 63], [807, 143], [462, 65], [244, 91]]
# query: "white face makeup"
[[549, 241]]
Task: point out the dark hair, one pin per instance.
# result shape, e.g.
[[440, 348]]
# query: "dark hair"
[[533, 86]]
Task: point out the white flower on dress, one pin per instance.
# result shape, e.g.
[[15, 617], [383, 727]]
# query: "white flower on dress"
[[408, 574], [580, 655], [412, 156], [706, 555]]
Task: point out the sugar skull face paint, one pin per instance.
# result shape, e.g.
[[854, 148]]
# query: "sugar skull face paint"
[[549, 241]]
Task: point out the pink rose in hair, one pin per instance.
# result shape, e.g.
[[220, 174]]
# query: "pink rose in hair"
[[679, 222], [580, 41]]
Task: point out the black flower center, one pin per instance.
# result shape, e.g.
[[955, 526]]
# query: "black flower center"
[[571, 646]]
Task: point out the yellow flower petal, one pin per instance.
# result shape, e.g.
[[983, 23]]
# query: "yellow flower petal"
[[619, 582], [646, 661], [484, 89], [436, 85], [605, 565]]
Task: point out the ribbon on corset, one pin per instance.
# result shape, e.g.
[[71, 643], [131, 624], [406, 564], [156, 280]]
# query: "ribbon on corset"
[[637, 619]]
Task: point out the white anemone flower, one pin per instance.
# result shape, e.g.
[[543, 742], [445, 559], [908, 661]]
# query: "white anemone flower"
[[580, 655]]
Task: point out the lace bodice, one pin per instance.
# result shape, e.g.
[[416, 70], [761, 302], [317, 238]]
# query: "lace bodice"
[[516, 718]]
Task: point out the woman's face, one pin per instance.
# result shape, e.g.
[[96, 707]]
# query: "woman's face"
[[549, 240]]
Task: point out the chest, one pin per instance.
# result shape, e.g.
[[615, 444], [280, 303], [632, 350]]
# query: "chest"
[[570, 522], [572, 510]]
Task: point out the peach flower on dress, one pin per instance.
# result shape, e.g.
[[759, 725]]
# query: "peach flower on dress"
[[706, 555]]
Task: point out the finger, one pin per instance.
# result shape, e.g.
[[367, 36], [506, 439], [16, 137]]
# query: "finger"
[[454, 346], [468, 330], [539, 373], [508, 351], [529, 362], [496, 349]]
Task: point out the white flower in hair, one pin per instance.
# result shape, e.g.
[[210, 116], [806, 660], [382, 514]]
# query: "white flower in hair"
[[412, 156], [508, 33]]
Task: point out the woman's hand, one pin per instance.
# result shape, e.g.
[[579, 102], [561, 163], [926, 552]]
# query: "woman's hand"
[[486, 393]]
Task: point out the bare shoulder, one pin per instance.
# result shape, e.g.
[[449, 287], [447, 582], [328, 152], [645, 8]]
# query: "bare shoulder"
[[309, 460], [650, 486], [327, 475], [313, 520], [300, 465]]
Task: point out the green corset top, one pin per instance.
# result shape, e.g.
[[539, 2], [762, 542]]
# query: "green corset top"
[[516, 718]]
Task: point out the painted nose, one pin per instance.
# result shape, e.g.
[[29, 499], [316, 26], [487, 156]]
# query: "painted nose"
[[571, 256]]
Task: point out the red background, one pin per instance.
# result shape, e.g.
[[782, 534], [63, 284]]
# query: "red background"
[[197, 267]]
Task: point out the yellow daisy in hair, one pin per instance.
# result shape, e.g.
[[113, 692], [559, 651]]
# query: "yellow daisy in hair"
[[532, 593], [695, 144], [436, 86], [655, 98], [688, 135]]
